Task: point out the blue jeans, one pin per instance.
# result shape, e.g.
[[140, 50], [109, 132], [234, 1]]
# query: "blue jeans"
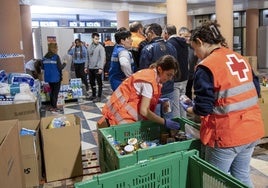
[[179, 90], [234, 160], [174, 104]]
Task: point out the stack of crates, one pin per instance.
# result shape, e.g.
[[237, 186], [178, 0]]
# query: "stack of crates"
[[173, 165], [182, 169]]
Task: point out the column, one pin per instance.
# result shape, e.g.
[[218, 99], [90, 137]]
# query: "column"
[[11, 48], [224, 16], [26, 26], [122, 19], [252, 24], [177, 13]]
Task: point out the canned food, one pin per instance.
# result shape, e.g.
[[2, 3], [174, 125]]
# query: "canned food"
[[164, 137], [166, 108], [129, 148], [132, 141]]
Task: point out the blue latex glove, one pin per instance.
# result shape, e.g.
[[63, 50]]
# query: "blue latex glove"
[[186, 105], [169, 123]]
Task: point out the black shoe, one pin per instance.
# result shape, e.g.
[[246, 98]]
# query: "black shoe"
[[97, 99], [91, 98]]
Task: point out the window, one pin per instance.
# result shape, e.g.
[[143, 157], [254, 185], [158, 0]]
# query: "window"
[[113, 24], [35, 23]]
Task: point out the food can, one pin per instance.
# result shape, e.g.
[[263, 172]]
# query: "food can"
[[166, 108]]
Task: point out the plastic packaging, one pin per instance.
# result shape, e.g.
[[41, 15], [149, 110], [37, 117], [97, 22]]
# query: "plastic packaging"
[[25, 131]]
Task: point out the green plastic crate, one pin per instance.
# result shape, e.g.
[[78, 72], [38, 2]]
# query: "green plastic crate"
[[204, 175], [169, 171], [182, 169], [109, 157]]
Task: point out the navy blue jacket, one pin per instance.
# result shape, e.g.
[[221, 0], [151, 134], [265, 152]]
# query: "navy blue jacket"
[[182, 57], [152, 52]]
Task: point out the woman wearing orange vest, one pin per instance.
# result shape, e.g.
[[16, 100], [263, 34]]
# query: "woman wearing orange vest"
[[226, 95], [137, 96]]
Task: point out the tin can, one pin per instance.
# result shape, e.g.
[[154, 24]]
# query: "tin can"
[[164, 136], [166, 108]]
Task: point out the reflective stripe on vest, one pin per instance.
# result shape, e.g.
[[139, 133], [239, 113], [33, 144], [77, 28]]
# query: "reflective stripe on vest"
[[128, 107], [114, 59], [235, 106]]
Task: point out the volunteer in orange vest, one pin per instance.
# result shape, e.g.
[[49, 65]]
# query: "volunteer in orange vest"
[[226, 95], [137, 96], [137, 35]]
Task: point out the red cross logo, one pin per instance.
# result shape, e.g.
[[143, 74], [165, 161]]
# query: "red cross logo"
[[237, 67]]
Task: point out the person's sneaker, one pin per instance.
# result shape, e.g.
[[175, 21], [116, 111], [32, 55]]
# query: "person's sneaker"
[[91, 98], [97, 99], [55, 110]]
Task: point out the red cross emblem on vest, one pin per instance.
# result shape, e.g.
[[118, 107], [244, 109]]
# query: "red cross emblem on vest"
[[237, 67]]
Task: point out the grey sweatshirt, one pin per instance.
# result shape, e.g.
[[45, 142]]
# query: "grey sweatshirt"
[[96, 56]]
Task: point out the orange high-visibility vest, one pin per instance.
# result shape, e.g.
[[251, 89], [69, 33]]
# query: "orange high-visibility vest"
[[137, 38], [236, 117], [123, 106]]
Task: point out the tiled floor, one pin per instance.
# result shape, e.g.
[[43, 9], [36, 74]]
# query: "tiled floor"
[[90, 112]]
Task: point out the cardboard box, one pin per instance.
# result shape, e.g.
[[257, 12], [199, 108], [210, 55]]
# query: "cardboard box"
[[31, 155], [65, 77], [11, 170], [263, 102], [62, 148], [23, 111]]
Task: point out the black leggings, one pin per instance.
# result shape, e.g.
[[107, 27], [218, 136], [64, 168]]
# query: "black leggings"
[[80, 73], [55, 89]]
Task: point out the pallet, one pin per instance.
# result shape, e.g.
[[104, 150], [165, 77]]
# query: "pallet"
[[90, 168]]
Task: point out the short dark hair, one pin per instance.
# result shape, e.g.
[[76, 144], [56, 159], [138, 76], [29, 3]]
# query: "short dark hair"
[[77, 40], [170, 29], [156, 28], [95, 34], [121, 35]]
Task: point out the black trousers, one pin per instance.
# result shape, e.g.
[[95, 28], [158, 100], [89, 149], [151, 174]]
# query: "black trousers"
[[93, 76], [55, 89], [80, 73]]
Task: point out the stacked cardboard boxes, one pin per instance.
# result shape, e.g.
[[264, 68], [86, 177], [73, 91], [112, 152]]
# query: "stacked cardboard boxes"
[[31, 155], [22, 111], [11, 172]]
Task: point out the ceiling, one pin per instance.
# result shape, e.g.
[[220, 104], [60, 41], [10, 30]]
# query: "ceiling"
[[138, 9]]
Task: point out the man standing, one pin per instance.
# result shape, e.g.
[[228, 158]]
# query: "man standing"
[[180, 80], [137, 36], [80, 57], [96, 53], [185, 33], [109, 47], [157, 48]]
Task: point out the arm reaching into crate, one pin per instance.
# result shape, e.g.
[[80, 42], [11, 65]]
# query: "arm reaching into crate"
[[137, 96], [146, 112]]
